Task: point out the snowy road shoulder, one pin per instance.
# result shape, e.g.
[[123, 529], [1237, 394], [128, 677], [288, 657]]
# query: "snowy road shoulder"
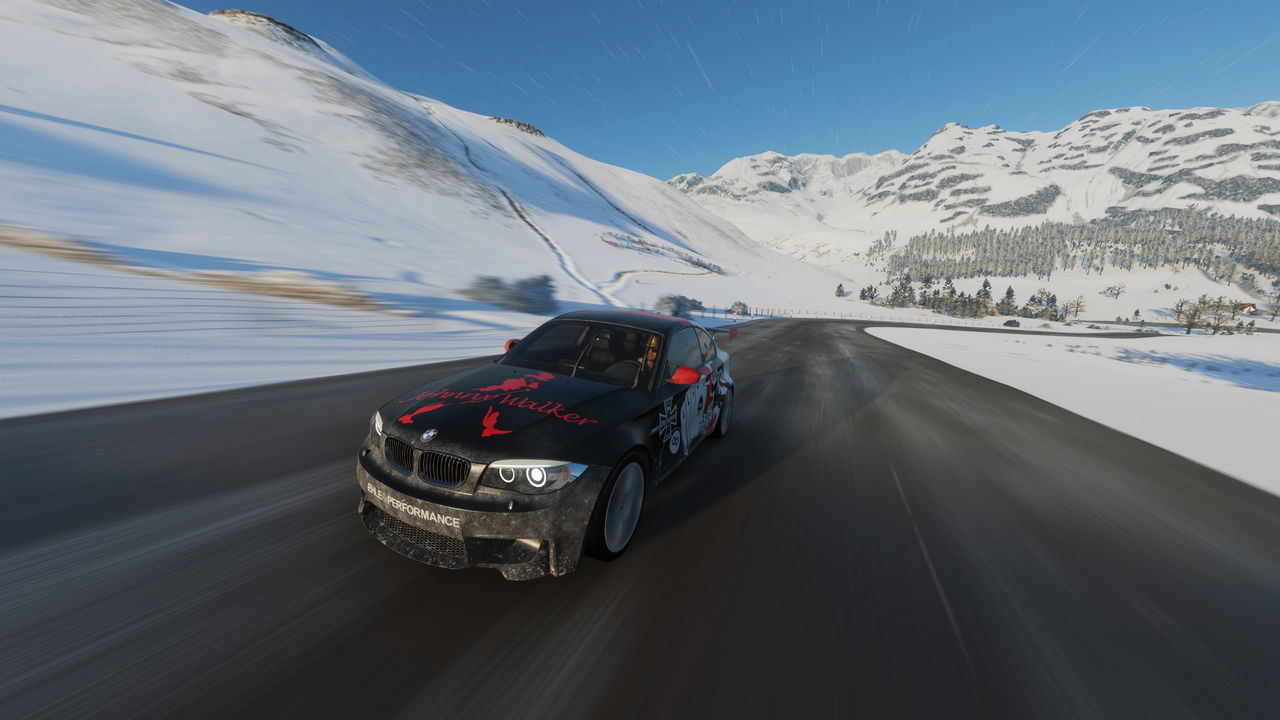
[[1215, 400]]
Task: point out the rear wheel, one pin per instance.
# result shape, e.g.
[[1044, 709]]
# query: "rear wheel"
[[726, 414], [617, 512]]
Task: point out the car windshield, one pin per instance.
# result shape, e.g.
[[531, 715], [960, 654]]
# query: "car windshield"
[[603, 352]]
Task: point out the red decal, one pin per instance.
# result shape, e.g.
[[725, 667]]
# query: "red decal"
[[490, 424], [528, 382], [406, 419], [549, 407]]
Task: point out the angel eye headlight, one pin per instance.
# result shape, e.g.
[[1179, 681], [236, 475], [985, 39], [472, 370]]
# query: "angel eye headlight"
[[375, 423], [532, 476]]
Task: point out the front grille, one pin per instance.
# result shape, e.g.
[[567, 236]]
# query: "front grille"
[[399, 454], [431, 542], [444, 469]]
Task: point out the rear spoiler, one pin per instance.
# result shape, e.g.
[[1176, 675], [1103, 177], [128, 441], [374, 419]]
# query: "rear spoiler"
[[733, 331]]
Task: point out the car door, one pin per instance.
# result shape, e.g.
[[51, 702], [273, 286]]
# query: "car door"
[[680, 416], [719, 384], [710, 353]]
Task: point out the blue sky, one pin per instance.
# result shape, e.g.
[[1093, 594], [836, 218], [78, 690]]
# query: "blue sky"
[[665, 87]]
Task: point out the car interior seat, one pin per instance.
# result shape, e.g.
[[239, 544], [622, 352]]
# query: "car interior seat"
[[600, 356], [628, 356]]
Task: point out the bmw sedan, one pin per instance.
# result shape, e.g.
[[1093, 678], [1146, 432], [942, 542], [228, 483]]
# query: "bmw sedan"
[[529, 462]]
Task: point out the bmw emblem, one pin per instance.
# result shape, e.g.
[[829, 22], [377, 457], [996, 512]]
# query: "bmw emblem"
[[429, 434]]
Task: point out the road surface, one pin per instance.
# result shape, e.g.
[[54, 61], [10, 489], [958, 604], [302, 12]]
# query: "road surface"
[[881, 535]]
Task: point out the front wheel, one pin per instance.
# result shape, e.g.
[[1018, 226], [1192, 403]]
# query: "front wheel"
[[617, 512]]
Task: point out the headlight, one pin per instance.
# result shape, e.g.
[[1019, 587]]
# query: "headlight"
[[375, 424], [531, 477]]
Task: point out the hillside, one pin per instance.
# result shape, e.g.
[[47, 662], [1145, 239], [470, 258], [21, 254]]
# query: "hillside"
[[234, 143]]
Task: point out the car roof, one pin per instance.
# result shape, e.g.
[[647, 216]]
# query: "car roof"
[[631, 318]]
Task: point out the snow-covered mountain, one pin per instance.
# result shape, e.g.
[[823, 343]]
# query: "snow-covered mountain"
[[234, 143], [829, 209], [783, 202]]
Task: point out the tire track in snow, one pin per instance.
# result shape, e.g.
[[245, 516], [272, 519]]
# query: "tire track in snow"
[[566, 262], [592, 186], [620, 277]]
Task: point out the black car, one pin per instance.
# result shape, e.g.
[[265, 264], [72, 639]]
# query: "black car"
[[526, 463]]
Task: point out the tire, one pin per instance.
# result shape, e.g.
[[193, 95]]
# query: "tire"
[[725, 417], [618, 509]]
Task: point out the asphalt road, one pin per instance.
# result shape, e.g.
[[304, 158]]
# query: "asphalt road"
[[881, 535]]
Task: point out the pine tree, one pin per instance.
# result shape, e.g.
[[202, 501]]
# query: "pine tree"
[[839, 289], [1008, 305], [903, 293]]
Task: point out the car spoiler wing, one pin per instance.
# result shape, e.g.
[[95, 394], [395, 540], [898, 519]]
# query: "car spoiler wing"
[[731, 332]]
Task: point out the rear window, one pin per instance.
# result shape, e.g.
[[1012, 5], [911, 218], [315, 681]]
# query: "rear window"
[[602, 352]]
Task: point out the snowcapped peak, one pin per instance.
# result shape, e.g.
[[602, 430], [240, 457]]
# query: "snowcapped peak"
[[951, 129], [772, 173], [1268, 109], [769, 171], [686, 182], [766, 158], [832, 167]]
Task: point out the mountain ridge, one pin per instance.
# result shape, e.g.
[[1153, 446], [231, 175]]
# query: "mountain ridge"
[[1109, 161]]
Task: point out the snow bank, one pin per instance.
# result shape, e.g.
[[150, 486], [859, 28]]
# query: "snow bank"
[[1215, 400]]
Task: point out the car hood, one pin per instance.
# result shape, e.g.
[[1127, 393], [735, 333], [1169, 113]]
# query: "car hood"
[[505, 412]]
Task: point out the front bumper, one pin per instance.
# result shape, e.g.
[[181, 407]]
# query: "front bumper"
[[522, 536]]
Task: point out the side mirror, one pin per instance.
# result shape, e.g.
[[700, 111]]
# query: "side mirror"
[[684, 376], [510, 344]]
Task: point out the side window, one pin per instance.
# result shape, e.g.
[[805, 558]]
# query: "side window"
[[707, 345], [683, 350]]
